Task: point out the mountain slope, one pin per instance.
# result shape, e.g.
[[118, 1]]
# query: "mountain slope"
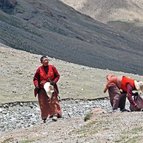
[[110, 10], [53, 28], [122, 15]]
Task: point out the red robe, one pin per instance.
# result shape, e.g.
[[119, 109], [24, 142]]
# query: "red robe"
[[125, 81], [126, 84], [49, 107]]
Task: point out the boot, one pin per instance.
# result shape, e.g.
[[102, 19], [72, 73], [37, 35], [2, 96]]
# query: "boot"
[[54, 118]]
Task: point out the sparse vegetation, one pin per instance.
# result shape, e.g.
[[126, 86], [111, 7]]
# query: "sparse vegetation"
[[87, 116], [8, 140], [26, 141]]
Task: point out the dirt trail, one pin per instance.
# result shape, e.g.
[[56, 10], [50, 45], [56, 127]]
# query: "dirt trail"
[[102, 128]]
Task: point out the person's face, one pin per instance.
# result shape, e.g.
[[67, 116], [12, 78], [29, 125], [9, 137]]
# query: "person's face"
[[45, 61]]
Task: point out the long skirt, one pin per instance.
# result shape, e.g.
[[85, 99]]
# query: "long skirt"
[[117, 99], [49, 107]]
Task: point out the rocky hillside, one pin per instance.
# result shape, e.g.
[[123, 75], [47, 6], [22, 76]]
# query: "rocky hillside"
[[110, 10], [125, 15], [53, 28]]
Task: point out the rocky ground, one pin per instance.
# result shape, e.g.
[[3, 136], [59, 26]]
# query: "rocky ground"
[[86, 122], [20, 121], [74, 37], [26, 114]]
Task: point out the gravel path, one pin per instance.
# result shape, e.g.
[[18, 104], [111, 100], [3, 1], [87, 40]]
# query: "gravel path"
[[21, 115], [110, 127]]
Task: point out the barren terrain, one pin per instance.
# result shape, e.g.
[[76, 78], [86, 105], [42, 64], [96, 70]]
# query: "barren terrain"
[[122, 15], [110, 10], [83, 50], [17, 69]]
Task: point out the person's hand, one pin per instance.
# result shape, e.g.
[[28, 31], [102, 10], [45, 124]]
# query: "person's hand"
[[43, 82], [52, 83], [137, 107], [105, 90], [36, 90]]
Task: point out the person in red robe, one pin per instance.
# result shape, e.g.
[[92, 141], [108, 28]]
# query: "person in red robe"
[[119, 87], [49, 107]]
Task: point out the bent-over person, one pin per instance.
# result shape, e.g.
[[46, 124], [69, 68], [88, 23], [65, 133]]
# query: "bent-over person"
[[49, 107], [119, 87]]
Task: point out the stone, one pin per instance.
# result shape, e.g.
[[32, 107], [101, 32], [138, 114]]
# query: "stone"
[[98, 111], [20, 115], [1, 110]]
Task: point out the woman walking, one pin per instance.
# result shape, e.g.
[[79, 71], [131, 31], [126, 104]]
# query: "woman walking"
[[50, 107]]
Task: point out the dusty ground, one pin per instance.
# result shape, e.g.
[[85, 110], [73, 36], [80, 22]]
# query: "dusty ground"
[[17, 69], [103, 128]]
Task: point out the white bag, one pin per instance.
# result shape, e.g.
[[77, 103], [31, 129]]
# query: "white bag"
[[139, 101], [49, 89]]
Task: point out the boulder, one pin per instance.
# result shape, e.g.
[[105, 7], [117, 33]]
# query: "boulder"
[[96, 111]]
